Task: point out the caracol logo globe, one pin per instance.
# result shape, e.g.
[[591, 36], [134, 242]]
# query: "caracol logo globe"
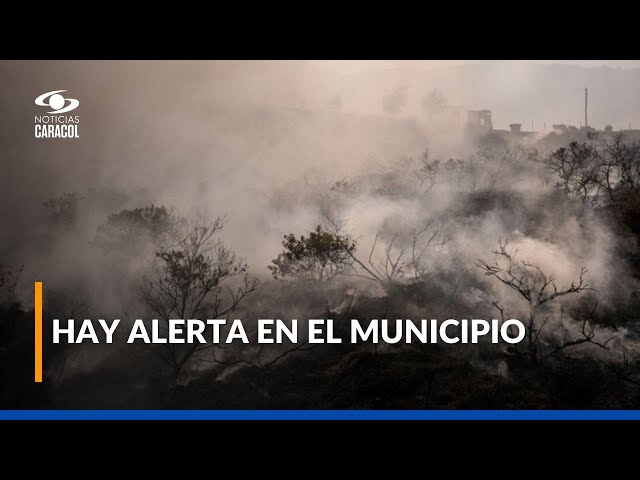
[[56, 125], [57, 102]]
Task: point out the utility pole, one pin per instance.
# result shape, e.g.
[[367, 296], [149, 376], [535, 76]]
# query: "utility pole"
[[586, 96]]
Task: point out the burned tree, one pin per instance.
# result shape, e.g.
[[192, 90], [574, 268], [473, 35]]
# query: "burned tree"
[[579, 168], [607, 168], [427, 172], [394, 254], [319, 256], [131, 230], [195, 280], [538, 289], [402, 254]]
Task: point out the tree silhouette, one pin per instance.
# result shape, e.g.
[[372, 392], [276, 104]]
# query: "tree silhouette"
[[193, 280]]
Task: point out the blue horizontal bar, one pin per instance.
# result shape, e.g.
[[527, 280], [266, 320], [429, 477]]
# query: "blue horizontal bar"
[[319, 414]]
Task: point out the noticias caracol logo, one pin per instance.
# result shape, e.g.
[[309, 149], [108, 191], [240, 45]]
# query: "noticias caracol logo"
[[56, 125], [57, 102]]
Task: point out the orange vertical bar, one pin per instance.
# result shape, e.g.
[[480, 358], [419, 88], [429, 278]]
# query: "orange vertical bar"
[[38, 335]]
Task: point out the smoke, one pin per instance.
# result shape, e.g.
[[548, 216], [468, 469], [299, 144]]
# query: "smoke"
[[259, 143]]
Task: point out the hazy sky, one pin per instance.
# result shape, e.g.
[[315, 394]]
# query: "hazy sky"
[[348, 66]]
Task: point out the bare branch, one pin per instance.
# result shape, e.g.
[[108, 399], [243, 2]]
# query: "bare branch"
[[192, 279]]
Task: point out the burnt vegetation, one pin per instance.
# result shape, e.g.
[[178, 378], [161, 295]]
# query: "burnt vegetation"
[[562, 256]]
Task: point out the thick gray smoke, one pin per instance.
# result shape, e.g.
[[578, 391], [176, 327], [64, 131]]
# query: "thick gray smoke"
[[281, 147]]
